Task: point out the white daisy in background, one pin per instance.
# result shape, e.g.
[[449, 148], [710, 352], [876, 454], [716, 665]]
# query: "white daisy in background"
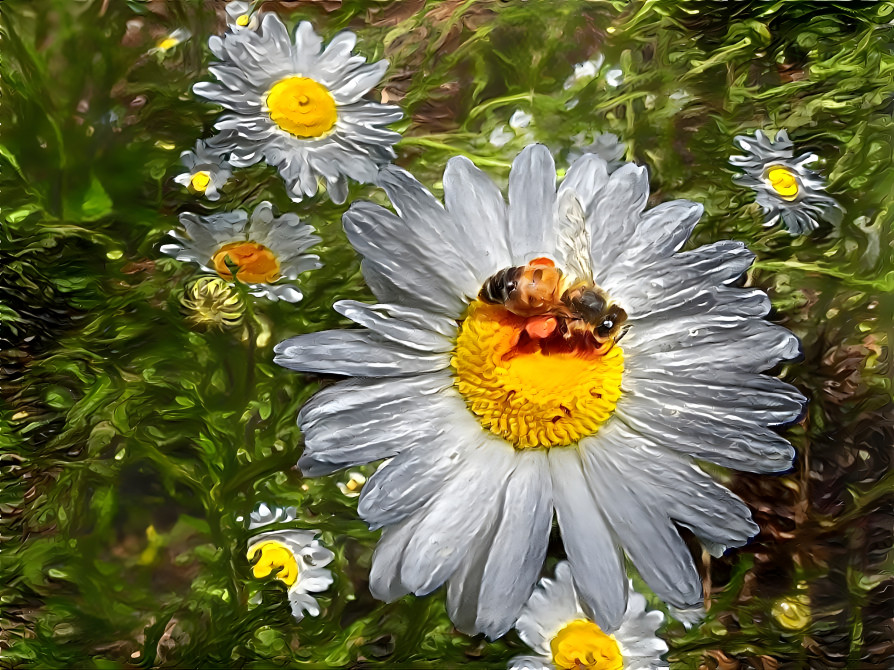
[[490, 419], [206, 172], [171, 40], [266, 251], [785, 188], [354, 485], [300, 107], [291, 555], [605, 145], [240, 16], [554, 625]]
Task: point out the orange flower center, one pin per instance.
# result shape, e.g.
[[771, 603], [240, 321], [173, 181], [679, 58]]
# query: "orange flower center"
[[254, 263]]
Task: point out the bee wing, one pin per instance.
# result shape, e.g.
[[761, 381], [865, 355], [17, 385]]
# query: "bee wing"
[[573, 239]]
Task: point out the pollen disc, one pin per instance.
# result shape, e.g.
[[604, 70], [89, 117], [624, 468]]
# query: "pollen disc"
[[533, 394], [255, 263], [302, 107]]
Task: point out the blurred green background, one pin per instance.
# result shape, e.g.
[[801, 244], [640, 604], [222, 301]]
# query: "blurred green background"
[[134, 443]]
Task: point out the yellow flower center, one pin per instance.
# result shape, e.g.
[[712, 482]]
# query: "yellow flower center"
[[242, 20], [533, 391], [792, 613], [783, 181], [581, 645], [274, 558], [211, 302], [167, 43], [255, 263], [200, 181], [302, 107]]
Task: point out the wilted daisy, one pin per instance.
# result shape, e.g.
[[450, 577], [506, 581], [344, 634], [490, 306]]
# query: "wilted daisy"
[[168, 42], [291, 555], [300, 107], [554, 625], [785, 188], [210, 302], [241, 17], [494, 380], [206, 172], [266, 252]]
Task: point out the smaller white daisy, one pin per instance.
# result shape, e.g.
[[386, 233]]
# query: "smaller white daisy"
[[785, 188], [266, 251], [299, 106], [291, 555], [605, 145], [555, 626], [168, 42], [354, 485], [206, 172], [241, 17]]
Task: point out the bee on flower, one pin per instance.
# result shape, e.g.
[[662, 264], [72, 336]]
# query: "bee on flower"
[[264, 251], [785, 188], [563, 637], [553, 355], [299, 107], [290, 555], [206, 172]]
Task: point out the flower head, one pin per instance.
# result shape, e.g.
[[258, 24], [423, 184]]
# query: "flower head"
[[171, 40], [210, 302], [266, 252], [299, 107], [555, 626], [785, 188], [241, 17], [292, 556], [206, 172], [552, 354]]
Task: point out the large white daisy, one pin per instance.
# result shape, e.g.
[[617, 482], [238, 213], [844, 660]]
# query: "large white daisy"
[[490, 421], [266, 251], [555, 626], [785, 188], [291, 555], [299, 107]]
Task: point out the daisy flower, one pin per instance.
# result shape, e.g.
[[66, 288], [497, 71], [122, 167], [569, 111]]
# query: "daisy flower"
[[292, 556], [554, 625], [493, 379], [300, 107], [171, 40], [206, 172], [785, 188], [241, 17], [266, 251], [210, 302]]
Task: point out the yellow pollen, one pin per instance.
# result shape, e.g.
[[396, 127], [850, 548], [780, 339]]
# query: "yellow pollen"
[[242, 20], [783, 181], [581, 645], [534, 394], [302, 107], [200, 181], [168, 43], [255, 263], [274, 558]]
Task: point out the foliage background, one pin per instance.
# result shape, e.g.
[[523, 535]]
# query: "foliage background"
[[133, 446]]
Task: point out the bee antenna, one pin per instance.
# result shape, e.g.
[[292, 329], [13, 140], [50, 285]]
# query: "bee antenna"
[[624, 331]]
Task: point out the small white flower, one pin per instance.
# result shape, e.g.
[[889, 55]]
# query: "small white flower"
[[554, 624], [352, 487], [520, 119], [291, 555], [241, 17], [784, 187], [300, 107], [206, 171], [584, 71], [267, 251], [605, 145], [170, 41], [500, 136], [614, 77]]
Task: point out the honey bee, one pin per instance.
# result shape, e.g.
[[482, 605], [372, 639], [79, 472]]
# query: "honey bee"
[[553, 302]]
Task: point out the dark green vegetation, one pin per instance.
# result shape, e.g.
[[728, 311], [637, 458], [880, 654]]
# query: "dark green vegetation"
[[132, 444]]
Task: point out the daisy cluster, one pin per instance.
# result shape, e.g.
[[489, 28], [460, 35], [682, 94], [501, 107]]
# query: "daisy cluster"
[[548, 354]]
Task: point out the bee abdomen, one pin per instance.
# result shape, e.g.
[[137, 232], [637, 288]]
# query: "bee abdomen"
[[498, 288]]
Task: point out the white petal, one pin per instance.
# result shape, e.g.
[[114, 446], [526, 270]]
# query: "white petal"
[[393, 329], [363, 420], [384, 575], [615, 213], [530, 663], [532, 201], [357, 353], [595, 559], [353, 86], [648, 536], [586, 177], [519, 544], [552, 605]]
